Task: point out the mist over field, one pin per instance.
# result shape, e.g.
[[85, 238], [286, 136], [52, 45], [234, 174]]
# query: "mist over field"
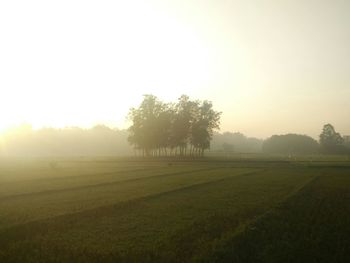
[[99, 141]]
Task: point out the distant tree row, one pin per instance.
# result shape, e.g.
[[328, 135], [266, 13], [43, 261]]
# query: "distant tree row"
[[290, 144], [182, 128], [330, 142], [230, 142]]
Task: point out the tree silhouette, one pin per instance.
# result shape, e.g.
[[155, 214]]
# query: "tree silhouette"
[[183, 119], [290, 144], [205, 122], [146, 131], [160, 128], [330, 140]]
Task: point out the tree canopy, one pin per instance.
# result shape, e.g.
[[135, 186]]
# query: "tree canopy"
[[290, 144], [331, 141], [182, 128]]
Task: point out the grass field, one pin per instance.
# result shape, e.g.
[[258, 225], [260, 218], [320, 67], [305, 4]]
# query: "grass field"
[[209, 210]]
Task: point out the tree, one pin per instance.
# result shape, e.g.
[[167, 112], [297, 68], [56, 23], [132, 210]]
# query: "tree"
[[290, 144], [157, 126], [145, 132], [331, 141], [183, 119], [206, 121]]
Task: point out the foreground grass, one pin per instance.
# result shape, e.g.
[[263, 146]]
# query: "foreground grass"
[[39, 205], [312, 226], [158, 211]]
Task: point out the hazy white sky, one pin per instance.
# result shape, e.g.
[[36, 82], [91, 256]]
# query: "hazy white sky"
[[272, 66]]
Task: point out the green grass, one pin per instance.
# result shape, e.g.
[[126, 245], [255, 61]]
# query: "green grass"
[[311, 226], [129, 210]]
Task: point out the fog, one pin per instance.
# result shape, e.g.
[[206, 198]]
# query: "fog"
[[271, 67], [100, 140], [74, 141]]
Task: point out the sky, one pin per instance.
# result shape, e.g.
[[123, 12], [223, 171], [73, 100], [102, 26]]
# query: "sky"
[[271, 67]]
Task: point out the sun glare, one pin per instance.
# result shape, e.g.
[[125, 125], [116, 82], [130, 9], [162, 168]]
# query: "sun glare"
[[84, 71]]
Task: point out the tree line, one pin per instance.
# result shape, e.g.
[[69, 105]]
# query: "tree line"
[[170, 129], [230, 142], [330, 142], [187, 128], [104, 141]]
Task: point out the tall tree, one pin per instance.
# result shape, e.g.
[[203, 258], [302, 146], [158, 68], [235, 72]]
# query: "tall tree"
[[183, 121], [157, 126], [145, 130], [206, 121], [330, 140]]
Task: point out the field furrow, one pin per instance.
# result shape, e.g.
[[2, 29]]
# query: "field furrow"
[[37, 206], [313, 226], [50, 186], [189, 219]]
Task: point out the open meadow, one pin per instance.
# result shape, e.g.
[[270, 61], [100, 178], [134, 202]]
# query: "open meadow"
[[167, 210]]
